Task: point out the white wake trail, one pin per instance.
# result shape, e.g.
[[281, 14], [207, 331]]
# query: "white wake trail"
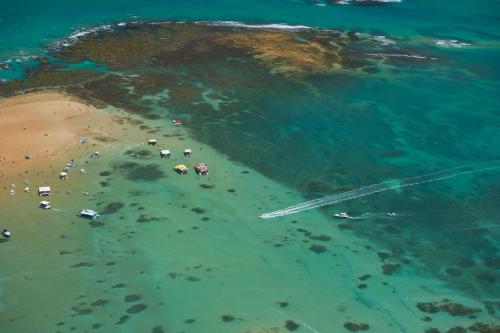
[[381, 187]]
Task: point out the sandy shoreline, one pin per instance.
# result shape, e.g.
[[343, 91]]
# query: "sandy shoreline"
[[47, 126]]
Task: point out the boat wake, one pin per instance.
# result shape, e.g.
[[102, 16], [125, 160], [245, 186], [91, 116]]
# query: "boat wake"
[[381, 187], [375, 215]]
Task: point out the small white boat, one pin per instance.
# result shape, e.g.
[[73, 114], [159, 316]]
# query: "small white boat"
[[89, 214], [45, 204], [6, 233], [165, 153], [391, 214], [342, 215]]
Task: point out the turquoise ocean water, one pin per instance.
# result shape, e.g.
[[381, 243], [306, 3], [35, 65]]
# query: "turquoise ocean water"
[[215, 267]]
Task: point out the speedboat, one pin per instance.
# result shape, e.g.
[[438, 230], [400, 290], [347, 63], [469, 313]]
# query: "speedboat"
[[6, 233], [342, 215], [89, 214]]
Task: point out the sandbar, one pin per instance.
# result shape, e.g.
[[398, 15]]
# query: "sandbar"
[[45, 126]]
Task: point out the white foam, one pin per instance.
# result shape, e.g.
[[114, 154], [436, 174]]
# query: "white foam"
[[399, 55], [275, 26], [349, 2], [383, 40], [451, 43]]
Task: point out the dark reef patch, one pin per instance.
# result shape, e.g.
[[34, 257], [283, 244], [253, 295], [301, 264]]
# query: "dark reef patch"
[[132, 298], [119, 285], [146, 218], [432, 330], [149, 172], [227, 318], [198, 210], [139, 172], [138, 152], [356, 326], [82, 264], [389, 269], [364, 277], [79, 311], [485, 328], [452, 271], [122, 319], [323, 238], [136, 308], [291, 325], [99, 302], [454, 309], [157, 329], [282, 304], [317, 248], [112, 208]]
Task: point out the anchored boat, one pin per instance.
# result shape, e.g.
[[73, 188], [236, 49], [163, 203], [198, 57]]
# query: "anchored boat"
[[6, 233], [45, 204], [89, 214], [181, 169], [188, 152], [201, 169], [165, 153]]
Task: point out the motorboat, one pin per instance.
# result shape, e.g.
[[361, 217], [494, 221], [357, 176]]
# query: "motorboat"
[[201, 169], [188, 152], [45, 204], [6, 233], [342, 215], [181, 169], [89, 214], [165, 153]]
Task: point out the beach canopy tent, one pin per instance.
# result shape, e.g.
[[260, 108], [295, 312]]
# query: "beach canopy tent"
[[188, 152], [44, 190]]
